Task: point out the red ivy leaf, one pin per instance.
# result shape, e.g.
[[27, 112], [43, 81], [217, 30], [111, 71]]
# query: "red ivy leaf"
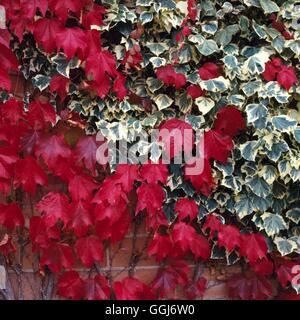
[[11, 216], [179, 134], [126, 174], [217, 146], [52, 149], [253, 247], [81, 187], [209, 71], [196, 289], [213, 223], [55, 206], [150, 197], [61, 9], [195, 91], [89, 250], [153, 173], [263, 267], [119, 86], [97, 288], [203, 182], [70, 285], [287, 77], [40, 114], [272, 68], [169, 76], [229, 237], [45, 31], [81, 218], [57, 256], [132, 289], [253, 288], [186, 208], [28, 174], [161, 246], [229, 121], [72, 41], [60, 84], [12, 111]]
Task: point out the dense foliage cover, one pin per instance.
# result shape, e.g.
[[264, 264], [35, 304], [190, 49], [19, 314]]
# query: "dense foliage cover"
[[229, 68]]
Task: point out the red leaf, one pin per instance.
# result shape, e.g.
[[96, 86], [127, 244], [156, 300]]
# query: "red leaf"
[[81, 187], [203, 182], [132, 289], [5, 37], [57, 256], [195, 91], [284, 272], [169, 76], [81, 218], [217, 146], [153, 173], [94, 16], [263, 267], [45, 31], [70, 285], [160, 246], [176, 135], [110, 212], [192, 9], [253, 288], [89, 250], [287, 77], [86, 150], [150, 197], [213, 224], [106, 60], [272, 68], [229, 237], [186, 208], [61, 9], [110, 191], [8, 62], [168, 277], [187, 239], [97, 288], [209, 71], [40, 114], [119, 86], [60, 84], [12, 111], [126, 174], [253, 247], [52, 149], [196, 289], [229, 121], [40, 234], [28, 174], [55, 206], [6, 246], [72, 41], [11, 216]]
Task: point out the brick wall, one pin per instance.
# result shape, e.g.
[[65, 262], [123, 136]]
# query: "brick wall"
[[29, 283]]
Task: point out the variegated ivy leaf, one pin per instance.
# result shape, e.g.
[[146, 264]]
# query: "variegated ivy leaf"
[[256, 63], [294, 215], [273, 90], [258, 186], [207, 47], [261, 204], [144, 3], [210, 27], [269, 173], [249, 150], [269, 6], [236, 100], [276, 150], [232, 182], [158, 61], [252, 87], [154, 84], [273, 223], [204, 104], [284, 123], [297, 134], [243, 205], [284, 168], [195, 121], [63, 65], [285, 246], [257, 115], [146, 17], [219, 84], [41, 82], [157, 48], [163, 101], [184, 102], [224, 36]]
